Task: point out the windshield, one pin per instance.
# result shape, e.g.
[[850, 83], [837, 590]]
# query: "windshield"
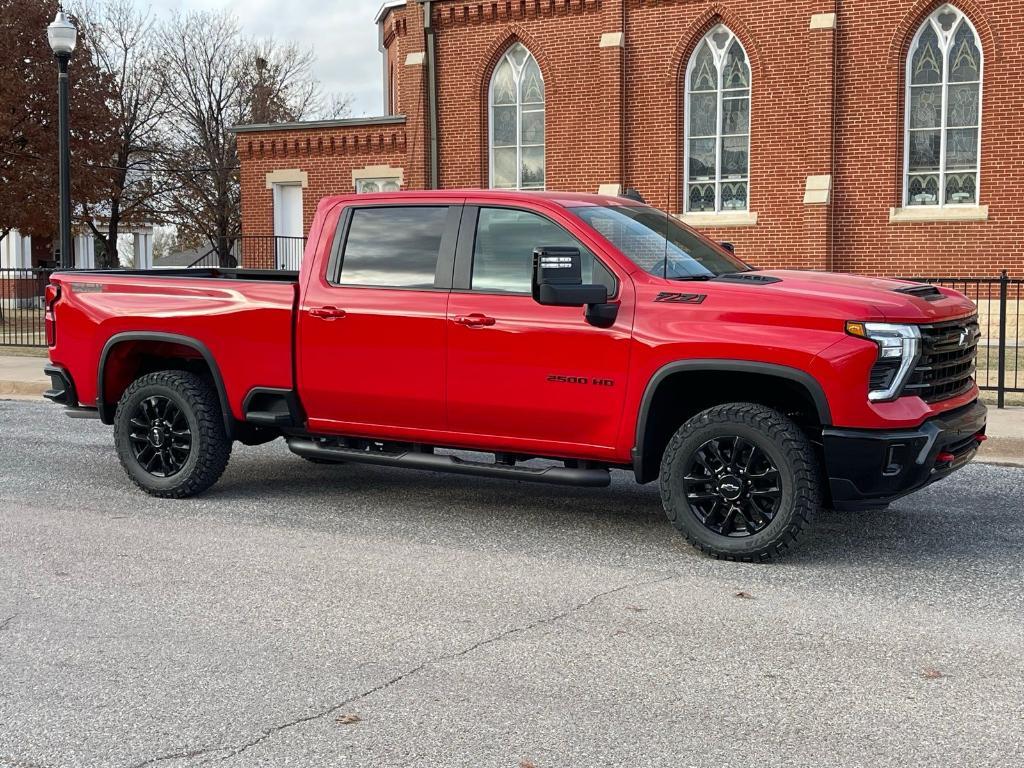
[[659, 244]]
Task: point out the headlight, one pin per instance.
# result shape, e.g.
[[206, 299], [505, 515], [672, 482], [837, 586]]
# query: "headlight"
[[898, 350]]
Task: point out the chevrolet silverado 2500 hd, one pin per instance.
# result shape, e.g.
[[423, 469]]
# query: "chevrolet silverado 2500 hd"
[[593, 331]]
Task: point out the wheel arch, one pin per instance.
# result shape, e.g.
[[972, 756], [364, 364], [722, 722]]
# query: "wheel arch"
[[727, 381], [154, 345]]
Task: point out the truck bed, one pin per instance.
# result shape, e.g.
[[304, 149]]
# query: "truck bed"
[[242, 319]]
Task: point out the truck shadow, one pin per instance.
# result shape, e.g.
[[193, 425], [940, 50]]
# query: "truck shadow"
[[974, 516]]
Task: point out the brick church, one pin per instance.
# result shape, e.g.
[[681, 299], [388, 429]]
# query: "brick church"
[[865, 136]]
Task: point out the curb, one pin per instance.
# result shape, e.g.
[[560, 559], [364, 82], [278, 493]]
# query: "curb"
[[23, 388], [1000, 461]]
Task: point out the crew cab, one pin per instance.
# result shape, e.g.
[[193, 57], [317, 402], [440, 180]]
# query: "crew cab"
[[539, 336]]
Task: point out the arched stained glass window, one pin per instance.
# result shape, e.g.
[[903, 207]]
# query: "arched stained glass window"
[[943, 113], [717, 132], [517, 122]]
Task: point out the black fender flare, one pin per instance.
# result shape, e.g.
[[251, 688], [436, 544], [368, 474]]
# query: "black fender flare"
[[106, 411], [804, 379]]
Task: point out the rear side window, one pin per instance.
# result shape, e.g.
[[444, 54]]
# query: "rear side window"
[[503, 251], [393, 247]]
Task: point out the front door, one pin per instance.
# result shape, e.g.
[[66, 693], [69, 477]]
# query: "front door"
[[371, 328], [537, 377], [288, 240]]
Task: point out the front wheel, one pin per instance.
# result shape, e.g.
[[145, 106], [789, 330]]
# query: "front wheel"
[[740, 481], [169, 433]]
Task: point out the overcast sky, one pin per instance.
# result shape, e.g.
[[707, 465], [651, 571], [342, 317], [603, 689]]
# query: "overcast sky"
[[341, 33]]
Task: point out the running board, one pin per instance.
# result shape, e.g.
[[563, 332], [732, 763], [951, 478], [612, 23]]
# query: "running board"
[[591, 478]]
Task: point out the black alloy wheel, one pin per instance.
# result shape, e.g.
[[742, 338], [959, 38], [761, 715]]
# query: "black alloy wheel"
[[170, 433], [732, 486], [160, 436], [740, 481]]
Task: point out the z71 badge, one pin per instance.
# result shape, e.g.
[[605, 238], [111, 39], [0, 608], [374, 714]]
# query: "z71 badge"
[[681, 298]]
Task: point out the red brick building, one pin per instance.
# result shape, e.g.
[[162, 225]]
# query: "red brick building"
[[868, 136]]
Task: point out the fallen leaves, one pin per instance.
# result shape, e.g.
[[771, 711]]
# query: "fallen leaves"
[[527, 764], [931, 674], [744, 595], [348, 719]]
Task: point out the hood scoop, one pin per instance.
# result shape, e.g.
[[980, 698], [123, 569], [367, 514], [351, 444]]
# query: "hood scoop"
[[926, 292], [751, 278]]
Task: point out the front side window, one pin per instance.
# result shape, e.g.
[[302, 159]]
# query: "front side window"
[[504, 245], [657, 243], [717, 141], [943, 112], [393, 246], [517, 122]]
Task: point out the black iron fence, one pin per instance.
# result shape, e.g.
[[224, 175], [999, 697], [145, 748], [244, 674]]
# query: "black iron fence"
[[1000, 349], [999, 302], [21, 307], [254, 252]]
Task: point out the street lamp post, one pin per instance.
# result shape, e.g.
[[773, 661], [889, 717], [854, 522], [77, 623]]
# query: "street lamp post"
[[63, 36]]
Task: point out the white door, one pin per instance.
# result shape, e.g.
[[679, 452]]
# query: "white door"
[[288, 242]]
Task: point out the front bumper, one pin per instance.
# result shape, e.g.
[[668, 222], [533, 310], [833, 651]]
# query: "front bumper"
[[868, 468]]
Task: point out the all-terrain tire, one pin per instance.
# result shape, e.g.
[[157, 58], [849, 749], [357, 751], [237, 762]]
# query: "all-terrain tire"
[[782, 444], [209, 447]]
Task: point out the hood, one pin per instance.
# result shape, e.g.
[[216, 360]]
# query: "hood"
[[881, 298]]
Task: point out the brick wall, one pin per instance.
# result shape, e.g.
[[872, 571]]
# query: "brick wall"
[[327, 156], [824, 102]]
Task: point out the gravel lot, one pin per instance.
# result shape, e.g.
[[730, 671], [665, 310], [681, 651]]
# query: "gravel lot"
[[479, 623]]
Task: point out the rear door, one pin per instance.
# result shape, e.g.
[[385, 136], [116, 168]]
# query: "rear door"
[[535, 376], [372, 323]]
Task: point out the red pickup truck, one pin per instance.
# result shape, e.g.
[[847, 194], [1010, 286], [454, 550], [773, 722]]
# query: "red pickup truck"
[[594, 332]]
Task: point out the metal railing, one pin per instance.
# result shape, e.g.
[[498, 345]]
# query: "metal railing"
[[255, 252], [22, 293], [1000, 349]]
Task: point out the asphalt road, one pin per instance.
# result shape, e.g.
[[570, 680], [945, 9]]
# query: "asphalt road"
[[478, 623]]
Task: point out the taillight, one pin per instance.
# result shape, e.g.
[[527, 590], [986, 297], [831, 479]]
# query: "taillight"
[[51, 295]]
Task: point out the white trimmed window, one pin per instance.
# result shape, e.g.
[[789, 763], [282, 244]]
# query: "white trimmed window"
[[384, 184], [717, 125], [942, 141], [516, 105]]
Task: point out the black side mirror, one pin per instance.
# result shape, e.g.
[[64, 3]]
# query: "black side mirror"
[[729, 247], [558, 279]]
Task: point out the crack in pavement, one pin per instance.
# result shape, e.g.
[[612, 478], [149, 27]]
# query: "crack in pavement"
[[234, 751], [17, 762], [7, 622]]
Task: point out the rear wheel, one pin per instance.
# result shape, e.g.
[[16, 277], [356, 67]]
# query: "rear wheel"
[[169, 433], [740, 482]]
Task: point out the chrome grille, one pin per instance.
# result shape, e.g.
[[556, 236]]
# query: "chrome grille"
[[947, 363]]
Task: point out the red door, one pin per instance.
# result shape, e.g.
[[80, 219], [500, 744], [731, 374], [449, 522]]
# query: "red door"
[[538, 377], [372, 325]]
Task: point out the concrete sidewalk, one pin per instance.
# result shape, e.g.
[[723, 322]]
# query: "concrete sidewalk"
[[1005, 437], [21, 378]]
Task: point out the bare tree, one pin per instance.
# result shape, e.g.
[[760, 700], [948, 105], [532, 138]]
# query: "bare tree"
[[123, 48], [213, 79], [202, 55], [278, 82]]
